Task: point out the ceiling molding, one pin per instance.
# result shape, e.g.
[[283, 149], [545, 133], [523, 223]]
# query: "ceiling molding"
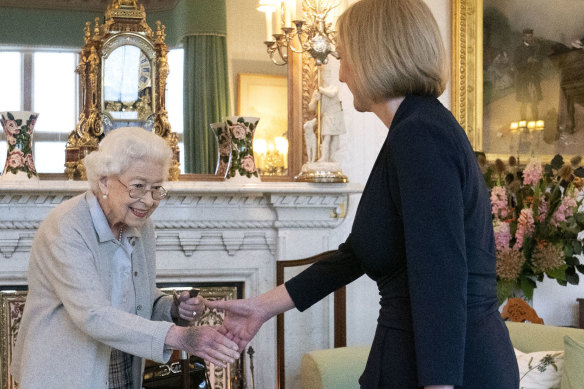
[[84, 5]]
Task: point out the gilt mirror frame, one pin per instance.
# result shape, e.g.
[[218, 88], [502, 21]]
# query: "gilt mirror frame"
[[478, 113], [467, 76]]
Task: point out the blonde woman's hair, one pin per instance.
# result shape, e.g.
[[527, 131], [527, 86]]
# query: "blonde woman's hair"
[[120, 148], [394, 49]]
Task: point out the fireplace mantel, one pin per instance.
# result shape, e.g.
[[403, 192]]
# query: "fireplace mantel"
[[205, 232]]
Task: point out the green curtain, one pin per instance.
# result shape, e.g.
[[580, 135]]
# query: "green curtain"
[[206, 98]]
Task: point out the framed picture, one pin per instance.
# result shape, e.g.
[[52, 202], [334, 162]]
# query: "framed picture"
[[265, 96], [518, 88], [11, 308]]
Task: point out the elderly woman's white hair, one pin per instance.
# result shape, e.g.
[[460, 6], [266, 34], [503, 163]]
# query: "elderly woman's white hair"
[[123, 146]]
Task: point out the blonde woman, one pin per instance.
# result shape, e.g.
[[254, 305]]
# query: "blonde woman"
[[423, 229]]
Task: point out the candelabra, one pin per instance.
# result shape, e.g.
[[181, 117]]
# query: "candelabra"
[[314, 35]]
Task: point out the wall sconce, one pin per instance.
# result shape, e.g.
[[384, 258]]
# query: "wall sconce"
[[314, 36]]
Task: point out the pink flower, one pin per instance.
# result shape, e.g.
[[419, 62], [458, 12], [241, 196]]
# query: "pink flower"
[[502, 234], [565, 209], [11, 127], [239, 131], [11, 140], [542, 210], [525, 227], [15, 158], [499, 202], [532, 172], [28, 160], [248, 164]]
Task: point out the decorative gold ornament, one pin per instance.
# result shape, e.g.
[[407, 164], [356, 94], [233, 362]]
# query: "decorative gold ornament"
[[124, 28]]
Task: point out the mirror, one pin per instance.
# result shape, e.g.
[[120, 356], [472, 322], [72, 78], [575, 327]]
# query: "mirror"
[[123, 70]]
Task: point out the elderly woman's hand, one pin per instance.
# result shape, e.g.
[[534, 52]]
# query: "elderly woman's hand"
[[189, 308], [205, 342]]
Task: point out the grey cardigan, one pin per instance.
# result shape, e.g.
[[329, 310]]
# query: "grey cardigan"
[[68, 326]]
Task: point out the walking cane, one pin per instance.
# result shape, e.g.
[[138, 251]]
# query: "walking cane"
[[184, 356]]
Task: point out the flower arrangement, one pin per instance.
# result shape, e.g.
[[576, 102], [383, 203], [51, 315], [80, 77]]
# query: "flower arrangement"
[[538, 220]]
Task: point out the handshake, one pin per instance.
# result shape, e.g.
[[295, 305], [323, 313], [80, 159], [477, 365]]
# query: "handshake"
[[223, 344]]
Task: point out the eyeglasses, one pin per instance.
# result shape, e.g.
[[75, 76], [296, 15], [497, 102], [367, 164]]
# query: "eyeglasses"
[[138, 191]]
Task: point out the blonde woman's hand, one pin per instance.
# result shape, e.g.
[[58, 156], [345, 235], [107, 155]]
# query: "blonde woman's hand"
[[205, 342]]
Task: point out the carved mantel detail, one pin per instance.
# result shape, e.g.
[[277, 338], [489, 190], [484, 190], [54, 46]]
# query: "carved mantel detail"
[[208, 217]]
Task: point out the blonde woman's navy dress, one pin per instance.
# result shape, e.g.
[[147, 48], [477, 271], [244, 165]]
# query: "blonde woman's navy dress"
[[423, 231]]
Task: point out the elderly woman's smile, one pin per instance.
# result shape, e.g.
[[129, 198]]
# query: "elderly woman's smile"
[[128, 199]]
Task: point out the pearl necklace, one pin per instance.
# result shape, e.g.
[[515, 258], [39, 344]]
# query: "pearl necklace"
[[122, 228]]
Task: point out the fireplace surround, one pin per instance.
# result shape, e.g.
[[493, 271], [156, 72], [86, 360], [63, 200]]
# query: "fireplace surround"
[[206, 232]]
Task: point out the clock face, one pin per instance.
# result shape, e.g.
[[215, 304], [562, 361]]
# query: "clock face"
[[145, 76]]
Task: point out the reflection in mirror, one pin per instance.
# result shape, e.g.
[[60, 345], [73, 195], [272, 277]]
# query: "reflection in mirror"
[[127, 88]]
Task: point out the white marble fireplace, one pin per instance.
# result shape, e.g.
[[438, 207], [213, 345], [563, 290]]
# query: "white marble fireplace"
[[206, 232]]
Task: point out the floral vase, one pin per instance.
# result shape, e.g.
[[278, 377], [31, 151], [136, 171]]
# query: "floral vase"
[[18, 127], [223, 140], [241, 130]]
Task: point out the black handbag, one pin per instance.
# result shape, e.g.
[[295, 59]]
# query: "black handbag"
[[170, 376]]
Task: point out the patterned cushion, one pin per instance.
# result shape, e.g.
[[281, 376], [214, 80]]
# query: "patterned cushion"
[[540, 369]]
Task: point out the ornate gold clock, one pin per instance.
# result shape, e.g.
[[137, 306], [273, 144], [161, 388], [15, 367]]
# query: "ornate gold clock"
[[123, 69]]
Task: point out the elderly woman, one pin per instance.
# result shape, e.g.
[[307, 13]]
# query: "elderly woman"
[[93, 311], [423, 229]]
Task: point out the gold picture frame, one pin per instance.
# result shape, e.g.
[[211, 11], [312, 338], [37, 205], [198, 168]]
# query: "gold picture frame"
[[11, 308], [265, 96], [474, 102]]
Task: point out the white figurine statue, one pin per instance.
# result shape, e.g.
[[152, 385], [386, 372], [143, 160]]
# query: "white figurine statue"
[[310, 139], [332, 120]]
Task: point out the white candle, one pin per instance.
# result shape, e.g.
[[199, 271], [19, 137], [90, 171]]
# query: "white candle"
[[279, 16], [269, 26], [292, 9], [287, 14]]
